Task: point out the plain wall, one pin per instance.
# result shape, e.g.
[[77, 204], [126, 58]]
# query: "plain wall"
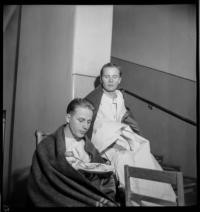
[[155, 45], [44, 80], [44, 75], [162, 37], [92, 45]]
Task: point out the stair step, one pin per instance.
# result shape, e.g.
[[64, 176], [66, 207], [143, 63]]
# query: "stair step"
[[190, 184], [171, 167]]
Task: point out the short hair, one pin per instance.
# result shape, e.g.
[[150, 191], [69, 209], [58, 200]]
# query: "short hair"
[[79, 102], [110, 65]]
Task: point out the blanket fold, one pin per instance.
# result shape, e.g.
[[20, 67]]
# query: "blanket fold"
[[53, 182]]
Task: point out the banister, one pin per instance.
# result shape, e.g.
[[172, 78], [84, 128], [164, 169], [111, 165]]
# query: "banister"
[[161, 108]]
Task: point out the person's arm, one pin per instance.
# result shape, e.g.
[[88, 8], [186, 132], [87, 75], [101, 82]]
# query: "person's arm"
[[128, 117], [129, 120]]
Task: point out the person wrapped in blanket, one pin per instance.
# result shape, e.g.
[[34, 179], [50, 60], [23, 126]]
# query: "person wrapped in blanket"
[[67, 170], [116, 135]]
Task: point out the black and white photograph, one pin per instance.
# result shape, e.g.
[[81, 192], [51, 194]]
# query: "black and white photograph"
[[100, 105]]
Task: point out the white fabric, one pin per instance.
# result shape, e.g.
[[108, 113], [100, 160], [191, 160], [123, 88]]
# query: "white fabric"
[[103, 140], [110, 109], [137, 154], [75, 151]]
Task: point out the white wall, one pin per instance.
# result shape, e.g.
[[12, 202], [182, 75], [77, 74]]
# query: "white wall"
[[83, 84], [162, 37], [92, 45]]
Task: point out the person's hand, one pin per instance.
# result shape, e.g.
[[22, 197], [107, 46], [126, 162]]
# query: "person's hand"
[[108, 162], [124, 133], [70, 157], [69, 154]]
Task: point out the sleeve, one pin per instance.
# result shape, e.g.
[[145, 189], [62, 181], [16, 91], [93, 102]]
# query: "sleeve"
[[128, 119]]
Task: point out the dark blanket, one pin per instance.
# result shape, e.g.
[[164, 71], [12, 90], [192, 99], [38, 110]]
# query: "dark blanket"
[[53, 182]]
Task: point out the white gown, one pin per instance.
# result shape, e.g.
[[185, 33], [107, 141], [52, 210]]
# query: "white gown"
[[110, 130]]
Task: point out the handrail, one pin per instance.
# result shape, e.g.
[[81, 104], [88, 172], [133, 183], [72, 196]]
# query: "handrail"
[[162, 108]]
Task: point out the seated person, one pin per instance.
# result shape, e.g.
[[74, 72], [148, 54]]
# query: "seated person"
[[109, 101], [66, 168], [115, 134]]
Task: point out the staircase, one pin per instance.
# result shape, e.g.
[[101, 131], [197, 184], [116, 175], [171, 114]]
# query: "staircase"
[[190, 184]]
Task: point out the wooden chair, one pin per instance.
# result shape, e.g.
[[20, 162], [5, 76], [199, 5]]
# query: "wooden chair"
[[39, 136], [172, 177]]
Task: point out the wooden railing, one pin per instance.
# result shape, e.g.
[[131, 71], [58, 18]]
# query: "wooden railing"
[[152, 104]]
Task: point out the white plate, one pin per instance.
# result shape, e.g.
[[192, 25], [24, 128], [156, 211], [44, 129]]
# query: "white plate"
[[95, 167]]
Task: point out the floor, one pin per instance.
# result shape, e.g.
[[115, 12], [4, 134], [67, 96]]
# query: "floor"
[[190, 189], [191, 198]]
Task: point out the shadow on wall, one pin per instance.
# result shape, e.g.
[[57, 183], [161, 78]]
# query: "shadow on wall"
[[19, 193]]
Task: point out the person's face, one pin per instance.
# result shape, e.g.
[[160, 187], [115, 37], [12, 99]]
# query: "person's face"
[[79, 121], [110, 79]]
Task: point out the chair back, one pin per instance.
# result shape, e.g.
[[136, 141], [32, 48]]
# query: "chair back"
[[175, 178], [40, 136]]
